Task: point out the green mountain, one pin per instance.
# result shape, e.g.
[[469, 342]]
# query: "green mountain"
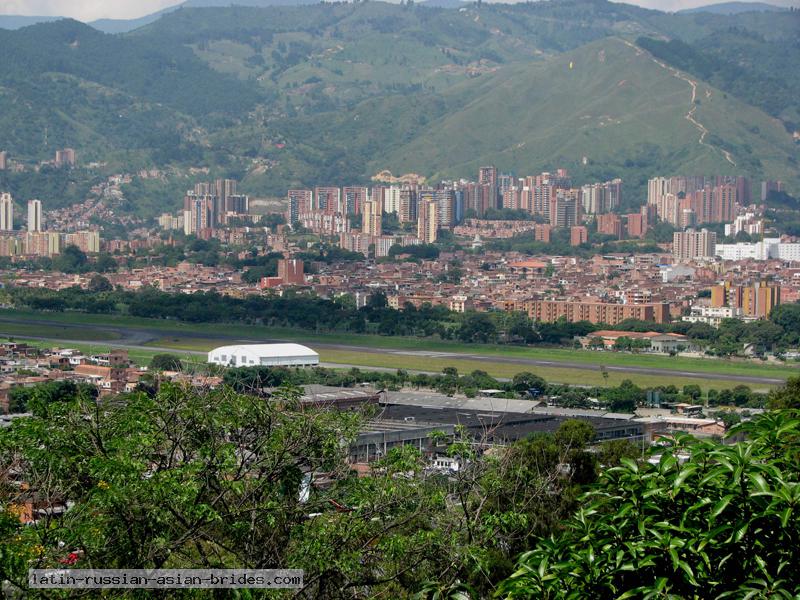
[[617, 108], [734, 8], [335, 92], [66, 84]]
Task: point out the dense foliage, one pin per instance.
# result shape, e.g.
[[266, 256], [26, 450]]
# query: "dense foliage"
[[699, 521], [189, 478], [23, 398], [156, 70]]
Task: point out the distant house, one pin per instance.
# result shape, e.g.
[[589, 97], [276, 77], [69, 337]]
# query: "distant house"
[[673, 424], [659, 342], [672, 342], [107, 379]]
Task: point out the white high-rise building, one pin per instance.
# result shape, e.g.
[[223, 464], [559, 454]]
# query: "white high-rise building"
[[766, 249], [6, 212], [391, 201], [34, 215], [591, 196]]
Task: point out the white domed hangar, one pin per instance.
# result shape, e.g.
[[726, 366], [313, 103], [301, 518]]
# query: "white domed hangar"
[[264, 355]]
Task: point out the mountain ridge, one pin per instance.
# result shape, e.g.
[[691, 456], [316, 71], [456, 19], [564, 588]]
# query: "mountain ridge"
[[734, 8], [652, 101], [333, 93]]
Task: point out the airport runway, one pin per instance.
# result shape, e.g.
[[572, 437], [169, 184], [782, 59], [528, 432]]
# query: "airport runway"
[[136, 338]]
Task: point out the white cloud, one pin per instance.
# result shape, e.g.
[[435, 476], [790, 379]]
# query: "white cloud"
[[84, 10]]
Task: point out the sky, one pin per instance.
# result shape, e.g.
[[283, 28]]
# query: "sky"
[[88, 10], [84, 10]]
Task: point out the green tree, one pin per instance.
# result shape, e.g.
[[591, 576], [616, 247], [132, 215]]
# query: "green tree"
[[786, 396], [71, 260], [612, 452], [165, 362], [721, 524], [105, 263], [763, 333], [525, 382], [624, 398], [98, 284], [692, 391], [477, 327], [175, 480], [787, 317], [574, 434], [37, 398], [572, 437], [741, 395], [377, 301], [729, 418]]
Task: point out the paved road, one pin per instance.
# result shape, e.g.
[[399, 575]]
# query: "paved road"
[[135, 338]]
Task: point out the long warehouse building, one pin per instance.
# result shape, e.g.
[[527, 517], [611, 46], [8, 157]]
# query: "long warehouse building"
[[264, 355]]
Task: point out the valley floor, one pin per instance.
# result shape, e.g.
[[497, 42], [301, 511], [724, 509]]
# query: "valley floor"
[[146, 337]]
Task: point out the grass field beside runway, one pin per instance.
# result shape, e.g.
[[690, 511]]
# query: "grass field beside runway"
[[57, 332], [495, 369], [435, 364], [202, 337], [346, 359]]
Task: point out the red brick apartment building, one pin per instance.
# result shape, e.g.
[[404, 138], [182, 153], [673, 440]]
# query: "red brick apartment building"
[[549, 311]]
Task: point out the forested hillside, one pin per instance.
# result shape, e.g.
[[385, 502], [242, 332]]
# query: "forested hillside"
[[332, 93], [610, 106], [66, 84]]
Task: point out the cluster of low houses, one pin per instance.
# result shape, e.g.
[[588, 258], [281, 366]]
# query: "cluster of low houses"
[[111, 372]]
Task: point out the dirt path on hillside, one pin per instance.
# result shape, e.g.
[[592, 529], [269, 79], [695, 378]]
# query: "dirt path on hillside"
[[690, 116]]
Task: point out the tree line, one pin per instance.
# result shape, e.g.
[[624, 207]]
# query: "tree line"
[[624, 398], [310, 312]]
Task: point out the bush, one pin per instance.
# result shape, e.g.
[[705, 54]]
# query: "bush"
[[723, 523], [165, 362]]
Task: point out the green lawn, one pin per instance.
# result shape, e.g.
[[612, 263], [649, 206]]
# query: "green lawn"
[[56, 332], [702, 365], [181, 336], [506, 370], [495, 369]]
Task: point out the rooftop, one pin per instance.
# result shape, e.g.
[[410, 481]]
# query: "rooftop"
[[275, 350]]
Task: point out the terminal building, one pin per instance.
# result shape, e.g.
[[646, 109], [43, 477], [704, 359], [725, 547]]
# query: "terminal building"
[[264, 355]]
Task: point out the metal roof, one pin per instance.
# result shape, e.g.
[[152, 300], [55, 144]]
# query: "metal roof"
[[435, 400], [271, 350]]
